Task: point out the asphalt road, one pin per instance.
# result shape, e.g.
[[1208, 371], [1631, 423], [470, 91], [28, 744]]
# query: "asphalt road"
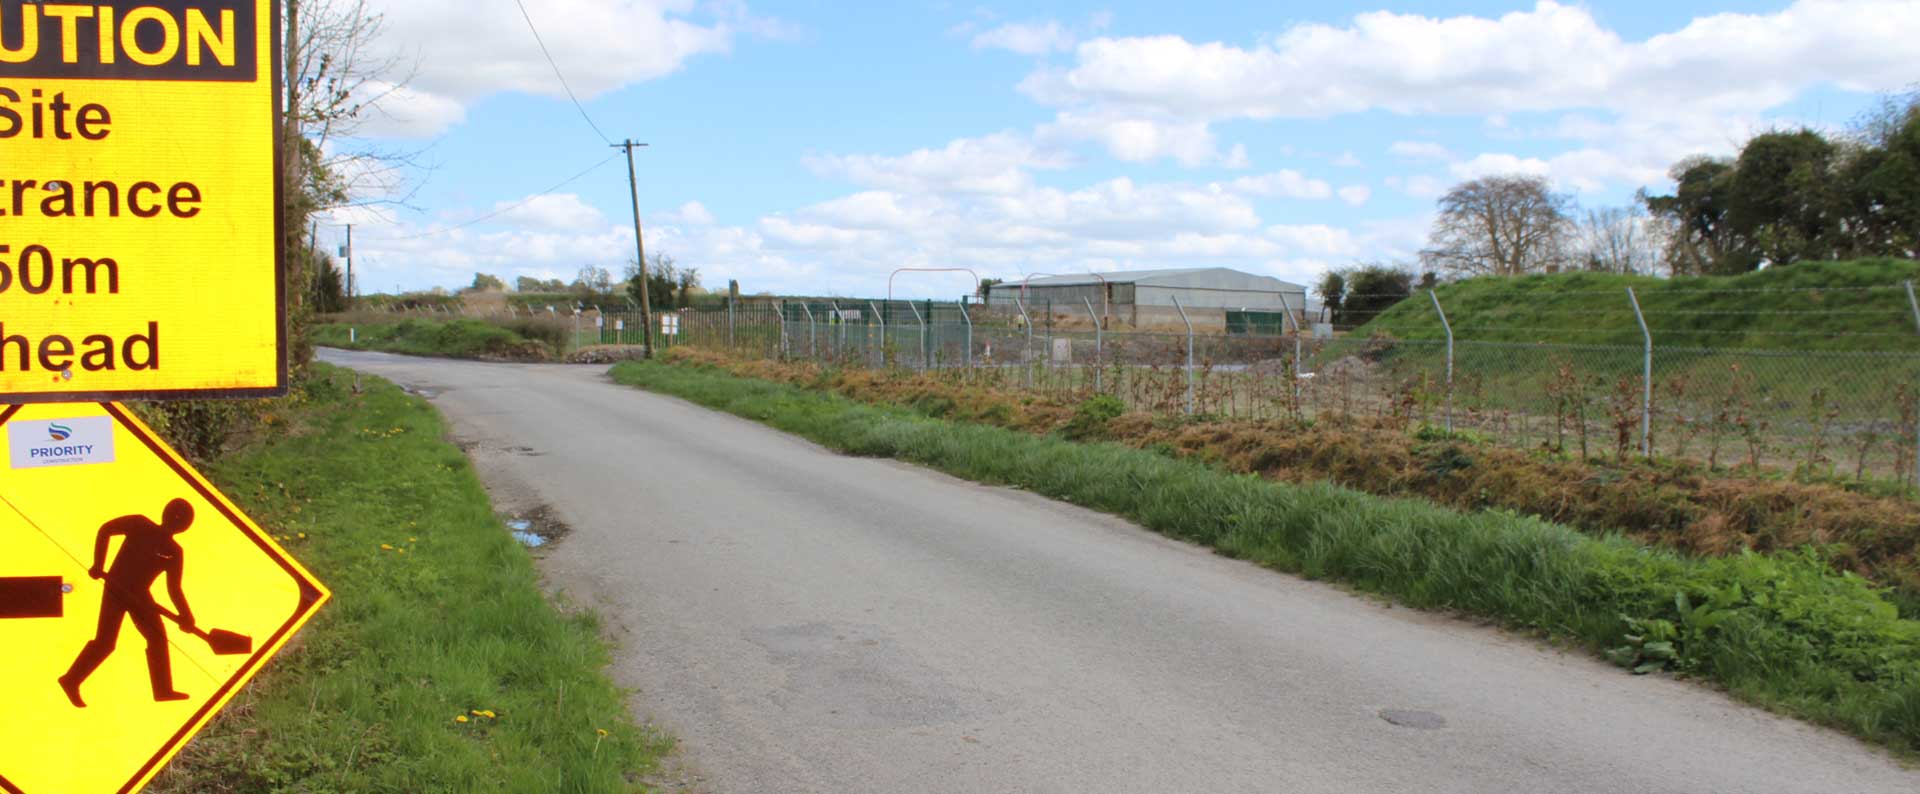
[[807, 622]]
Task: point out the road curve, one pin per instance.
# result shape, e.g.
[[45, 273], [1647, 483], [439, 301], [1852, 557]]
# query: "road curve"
[[807, 622]]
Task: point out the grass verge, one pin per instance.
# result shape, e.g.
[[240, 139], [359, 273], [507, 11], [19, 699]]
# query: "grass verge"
[[437, 614], [1783, 631], [1828, 305], [525, 340]]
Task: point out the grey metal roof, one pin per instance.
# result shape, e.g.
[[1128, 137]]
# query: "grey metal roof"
[[1136, 276]]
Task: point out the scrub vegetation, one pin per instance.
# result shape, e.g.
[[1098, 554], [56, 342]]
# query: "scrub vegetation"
[[528, 340], [1782, 630], [1868, 528], [440, 665]]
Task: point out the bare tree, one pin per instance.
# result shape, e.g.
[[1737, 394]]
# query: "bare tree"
[[330, 82], [1620, 240], [1499, 225]]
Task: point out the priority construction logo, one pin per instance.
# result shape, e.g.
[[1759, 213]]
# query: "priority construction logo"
[[61, 442]]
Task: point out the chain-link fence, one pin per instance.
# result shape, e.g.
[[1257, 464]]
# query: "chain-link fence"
[[1837, 400]]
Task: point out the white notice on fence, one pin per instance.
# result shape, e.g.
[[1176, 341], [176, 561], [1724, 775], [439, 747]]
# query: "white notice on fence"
[[1062, 351]]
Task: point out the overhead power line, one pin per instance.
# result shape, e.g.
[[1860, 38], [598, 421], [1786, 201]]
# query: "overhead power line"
[[510, 207], [556, 72]]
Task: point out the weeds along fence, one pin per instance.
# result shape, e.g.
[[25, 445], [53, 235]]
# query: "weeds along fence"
[[1823, 382]]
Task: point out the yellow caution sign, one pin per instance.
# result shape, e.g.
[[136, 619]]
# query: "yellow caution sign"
[[139, 194], [135, 600]]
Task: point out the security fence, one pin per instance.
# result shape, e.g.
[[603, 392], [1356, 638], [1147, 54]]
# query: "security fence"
[[1842, 403]]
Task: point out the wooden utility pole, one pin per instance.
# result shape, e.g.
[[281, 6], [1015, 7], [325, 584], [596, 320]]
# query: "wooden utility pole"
[[640, 250]]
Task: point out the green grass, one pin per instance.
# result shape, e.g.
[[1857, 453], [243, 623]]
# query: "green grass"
[[365, 699], [454, 338], [1856, 305], [1782, 631]]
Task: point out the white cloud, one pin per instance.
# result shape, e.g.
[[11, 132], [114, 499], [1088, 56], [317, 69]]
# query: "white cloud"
[[1027, 38], [1285, 183], [692, 213], [1420, 150], [458, 52], [992, 164], [1355, 195], [1552, 57], [1714, 73], [1419, 186], [1141, 139], [552, 212]]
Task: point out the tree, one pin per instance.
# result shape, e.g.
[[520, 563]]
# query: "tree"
[[1703, 241], [688, 281], [328, 84], [1373, 288], [329, 285], [1618, 240], [1881, 179], [986, 288], [530, 284], [593, 280], [1499, 225], [1332, 291], [667, 285], [483, 282], [1783, 198]]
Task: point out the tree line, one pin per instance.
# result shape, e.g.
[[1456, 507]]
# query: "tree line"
[[1787, 196]]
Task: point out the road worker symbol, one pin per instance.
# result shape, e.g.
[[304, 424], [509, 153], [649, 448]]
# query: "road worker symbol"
[[135, 600]]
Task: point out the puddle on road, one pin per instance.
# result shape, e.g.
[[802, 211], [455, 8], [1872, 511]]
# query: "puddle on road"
[[523, 531], [535, 528]]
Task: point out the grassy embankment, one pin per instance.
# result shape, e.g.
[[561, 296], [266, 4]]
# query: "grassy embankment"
[[1849, 306], [523, 340], [437, 614], [1717, 339], [1783, 631]]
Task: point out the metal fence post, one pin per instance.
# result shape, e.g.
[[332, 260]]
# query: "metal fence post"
[[1448, 327], [782, 306], [1097, 343], [1646, 376], [1183, 318], [1286, 309], [881, 359], [730, 344], [1915, 305], [964, 315], [1026, 357], [923, 333], [841, 320], [813, 336]]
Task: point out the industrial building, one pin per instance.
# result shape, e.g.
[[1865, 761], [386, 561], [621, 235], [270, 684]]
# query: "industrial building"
[[1145, 298]]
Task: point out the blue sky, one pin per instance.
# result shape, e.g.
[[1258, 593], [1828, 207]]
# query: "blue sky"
[[814, 147]]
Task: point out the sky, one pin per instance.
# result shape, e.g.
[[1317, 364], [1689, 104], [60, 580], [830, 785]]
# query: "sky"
[[813, 147]]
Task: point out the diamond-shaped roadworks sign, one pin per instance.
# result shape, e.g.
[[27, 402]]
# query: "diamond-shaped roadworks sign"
[[135, 600]]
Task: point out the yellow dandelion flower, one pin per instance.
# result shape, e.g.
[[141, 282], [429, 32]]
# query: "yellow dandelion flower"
[[413, 540], [386, 547], [601, 731], [461, 718]]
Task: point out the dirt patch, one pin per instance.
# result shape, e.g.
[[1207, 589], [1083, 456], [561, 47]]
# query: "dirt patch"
[[606, 354]]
